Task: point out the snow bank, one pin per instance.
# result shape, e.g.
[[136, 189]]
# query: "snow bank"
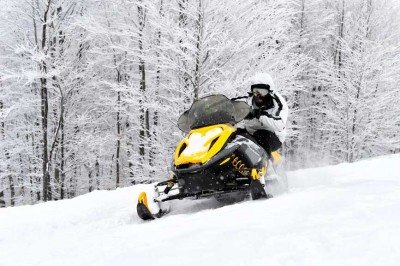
[[347, 214]]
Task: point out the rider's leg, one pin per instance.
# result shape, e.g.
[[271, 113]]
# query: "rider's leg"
[[268, 140]]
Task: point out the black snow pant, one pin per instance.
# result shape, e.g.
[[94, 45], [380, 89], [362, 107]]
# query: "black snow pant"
[[266, 139]]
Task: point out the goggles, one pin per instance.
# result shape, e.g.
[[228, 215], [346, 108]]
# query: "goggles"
[[262, 92], [260, 89]]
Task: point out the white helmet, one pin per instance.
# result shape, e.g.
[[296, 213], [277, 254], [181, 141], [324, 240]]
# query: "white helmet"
[[262, 80], [262, 90]]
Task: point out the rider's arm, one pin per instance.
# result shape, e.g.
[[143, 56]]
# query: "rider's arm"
[[277, 120]]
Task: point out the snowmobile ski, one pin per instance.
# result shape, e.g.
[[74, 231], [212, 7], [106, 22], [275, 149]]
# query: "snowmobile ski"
[[143, 209]]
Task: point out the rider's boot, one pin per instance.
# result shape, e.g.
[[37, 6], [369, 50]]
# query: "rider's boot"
[[257, 189]]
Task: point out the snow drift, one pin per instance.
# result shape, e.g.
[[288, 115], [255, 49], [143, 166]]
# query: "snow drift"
[[348, 214]]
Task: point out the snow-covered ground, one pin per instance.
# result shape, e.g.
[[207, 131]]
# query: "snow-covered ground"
[[347, 214]]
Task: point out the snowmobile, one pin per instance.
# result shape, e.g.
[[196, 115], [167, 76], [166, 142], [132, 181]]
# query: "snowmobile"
[[215, 159]]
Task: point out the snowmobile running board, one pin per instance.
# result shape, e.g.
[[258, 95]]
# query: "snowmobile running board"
[[144, 212], [200, 195]]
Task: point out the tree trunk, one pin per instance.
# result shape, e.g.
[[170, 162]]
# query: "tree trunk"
[[2, 199], [36, 150], [57, 180], [199, 25], [97, 170], [157, 89], [294, 141], [182, 25], [117, 161], [2, 202], [338, 62], [45, 110], [62, 159], [144, 123], [90, 178], [44, 104], [10, 178]]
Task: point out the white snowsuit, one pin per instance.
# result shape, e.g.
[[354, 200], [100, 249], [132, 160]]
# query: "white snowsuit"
[[273, 119]]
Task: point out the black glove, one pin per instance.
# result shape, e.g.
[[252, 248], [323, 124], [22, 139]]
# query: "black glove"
[[264, 112], [254, 113]]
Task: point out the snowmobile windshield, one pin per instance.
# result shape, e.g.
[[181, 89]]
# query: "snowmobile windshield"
[[212, 110]]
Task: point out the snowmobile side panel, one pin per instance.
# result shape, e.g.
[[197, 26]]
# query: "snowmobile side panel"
[[248, 161], [225, 161], [196, 183], [211, 178], [253, 153]]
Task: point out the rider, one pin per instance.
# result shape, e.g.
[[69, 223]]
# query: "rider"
[[269, 112]]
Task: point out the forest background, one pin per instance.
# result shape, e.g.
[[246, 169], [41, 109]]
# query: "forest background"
[[90, 90]]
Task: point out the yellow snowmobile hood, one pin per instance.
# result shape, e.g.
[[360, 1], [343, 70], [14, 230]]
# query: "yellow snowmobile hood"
[[201, 144]]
